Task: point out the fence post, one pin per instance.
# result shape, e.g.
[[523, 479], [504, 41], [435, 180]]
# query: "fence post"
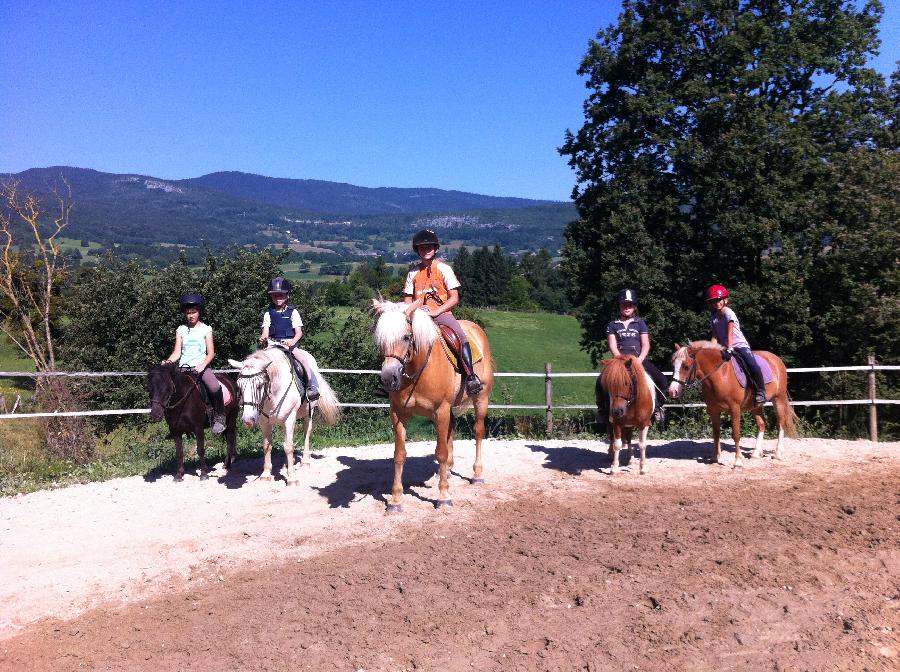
[[548, 396], [873, 409]]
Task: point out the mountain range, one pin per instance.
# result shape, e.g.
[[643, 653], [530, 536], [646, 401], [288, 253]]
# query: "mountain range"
[[239, 208]]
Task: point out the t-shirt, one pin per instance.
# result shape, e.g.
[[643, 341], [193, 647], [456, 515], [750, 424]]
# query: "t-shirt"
[[628, 337], [439, 276], [193, 344], [719, 326]]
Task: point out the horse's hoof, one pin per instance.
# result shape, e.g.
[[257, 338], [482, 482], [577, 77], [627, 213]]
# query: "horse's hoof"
[[477, 481], [293, 484], [267, 477], [739, 467], [393, 508], [178, 479], [444, 503], [204, 477]]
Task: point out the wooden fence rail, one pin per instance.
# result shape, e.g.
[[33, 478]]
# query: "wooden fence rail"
[[871, 400]]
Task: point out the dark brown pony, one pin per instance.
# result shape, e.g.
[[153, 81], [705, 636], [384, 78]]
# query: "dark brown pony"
[[701, 362], [175, 393], [421, 381], [630, 396]]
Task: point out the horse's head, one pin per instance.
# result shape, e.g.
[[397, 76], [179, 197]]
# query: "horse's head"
[[253, 383], [401, 331], [620, 382], [684, 370], [161, 386]]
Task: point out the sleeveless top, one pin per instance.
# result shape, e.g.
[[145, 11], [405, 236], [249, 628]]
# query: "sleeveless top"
[[281, 326], [439, 276], [193, 344]]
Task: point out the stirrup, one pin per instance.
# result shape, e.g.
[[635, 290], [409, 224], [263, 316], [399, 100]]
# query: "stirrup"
[[473, 385], [312, 393], [218, 425]]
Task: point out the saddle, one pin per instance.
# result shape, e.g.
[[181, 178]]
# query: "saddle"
[[761, 362], [453, 348]]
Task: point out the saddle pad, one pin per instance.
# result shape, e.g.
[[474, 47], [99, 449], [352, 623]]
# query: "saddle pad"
[[477, 354], [763, 365]]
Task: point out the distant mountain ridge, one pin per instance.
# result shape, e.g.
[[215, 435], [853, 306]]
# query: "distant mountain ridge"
[[341, 198], [238, 208]]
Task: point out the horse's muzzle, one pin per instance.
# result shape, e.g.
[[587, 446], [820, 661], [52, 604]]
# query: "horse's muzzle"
[[391, 376]]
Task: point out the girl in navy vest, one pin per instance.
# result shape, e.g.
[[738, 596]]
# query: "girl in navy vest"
[[629, 335], [282, 325]]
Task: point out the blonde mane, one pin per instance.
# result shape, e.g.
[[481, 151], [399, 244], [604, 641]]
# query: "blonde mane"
[[392, 326]]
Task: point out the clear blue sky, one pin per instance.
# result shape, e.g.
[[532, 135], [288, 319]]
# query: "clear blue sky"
[[462, 95]]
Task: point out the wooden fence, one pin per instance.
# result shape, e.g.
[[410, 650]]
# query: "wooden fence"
[[871, 399]]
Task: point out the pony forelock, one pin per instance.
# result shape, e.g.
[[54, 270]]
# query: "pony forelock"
[[392, 326]]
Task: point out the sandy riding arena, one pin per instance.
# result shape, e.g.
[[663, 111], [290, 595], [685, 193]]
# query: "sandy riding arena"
[[554, 564]]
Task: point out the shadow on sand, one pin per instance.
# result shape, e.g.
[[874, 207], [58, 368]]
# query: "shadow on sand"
[[373, 478], [575, 460]]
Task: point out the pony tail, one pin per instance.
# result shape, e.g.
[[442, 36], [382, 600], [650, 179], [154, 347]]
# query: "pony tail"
[[328, 402]]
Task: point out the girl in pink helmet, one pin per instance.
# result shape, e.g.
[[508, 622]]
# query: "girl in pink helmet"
[[726, 329]]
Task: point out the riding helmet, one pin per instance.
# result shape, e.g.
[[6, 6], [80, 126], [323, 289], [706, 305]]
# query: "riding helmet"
[[627, 295], [425, 237], [279, 285], [192, 300], [716, 292]]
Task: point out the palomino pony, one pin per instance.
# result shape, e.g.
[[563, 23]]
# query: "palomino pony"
[[175, 393], [631, 393], [421, 380], [270, 394], [702, 362]]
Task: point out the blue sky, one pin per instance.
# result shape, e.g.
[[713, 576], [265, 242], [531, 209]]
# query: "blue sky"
[[461, 95]]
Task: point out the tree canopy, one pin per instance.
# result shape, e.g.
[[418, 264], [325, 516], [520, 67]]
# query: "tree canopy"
[[745, 143]]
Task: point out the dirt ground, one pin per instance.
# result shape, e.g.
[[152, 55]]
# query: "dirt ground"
[[554, 564]]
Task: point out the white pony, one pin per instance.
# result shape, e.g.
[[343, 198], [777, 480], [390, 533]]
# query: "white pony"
[[270, 395]]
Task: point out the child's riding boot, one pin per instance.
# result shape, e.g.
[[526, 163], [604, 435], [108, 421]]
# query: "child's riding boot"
[[754, 374], [312, 389], [473, 382], [218, 400], [660, 413]]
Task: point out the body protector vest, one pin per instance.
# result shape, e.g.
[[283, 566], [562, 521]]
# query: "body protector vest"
[[281, 328]]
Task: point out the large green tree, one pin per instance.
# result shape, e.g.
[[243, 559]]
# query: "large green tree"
[[712, 129]]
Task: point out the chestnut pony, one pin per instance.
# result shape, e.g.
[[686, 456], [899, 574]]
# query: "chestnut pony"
[[420, 380], [631, 395], [701, 362]]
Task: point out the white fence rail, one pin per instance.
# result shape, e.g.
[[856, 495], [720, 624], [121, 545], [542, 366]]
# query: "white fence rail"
[[871, 400]]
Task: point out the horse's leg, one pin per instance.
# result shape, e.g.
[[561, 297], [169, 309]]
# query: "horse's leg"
[[782, 411], [481, 409], [760, 432], [307, 430], [399, 460], [230, 442], [201, 454], [179, 458], [266, 426], [716, 420], [289, 423], [643, 444], [735, 412], [615, 447], [444, 453]]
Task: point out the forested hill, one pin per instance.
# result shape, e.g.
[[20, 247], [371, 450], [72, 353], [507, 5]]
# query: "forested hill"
[[340, 198], [235, 208]]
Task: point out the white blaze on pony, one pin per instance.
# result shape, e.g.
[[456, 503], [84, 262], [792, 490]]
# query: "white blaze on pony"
[[271, 396], [701, 362]]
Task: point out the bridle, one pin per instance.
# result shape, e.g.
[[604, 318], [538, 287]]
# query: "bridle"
[[632, 396], [259, 392], [408, 355], [167, 404], [690, 378]]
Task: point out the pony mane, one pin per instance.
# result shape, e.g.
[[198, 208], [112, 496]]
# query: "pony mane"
[[617, 380], [706, 345], [391, 326]]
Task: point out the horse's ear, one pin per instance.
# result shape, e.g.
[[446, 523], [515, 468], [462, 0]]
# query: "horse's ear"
[[235, 364], [677, 347], [413, 307]]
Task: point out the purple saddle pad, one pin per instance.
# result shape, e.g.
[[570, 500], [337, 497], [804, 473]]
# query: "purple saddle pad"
[[760, 362]]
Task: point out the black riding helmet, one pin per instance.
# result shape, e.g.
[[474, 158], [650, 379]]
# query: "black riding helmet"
[[279, 285], [628, 295], [192, 300], [425, 237]]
